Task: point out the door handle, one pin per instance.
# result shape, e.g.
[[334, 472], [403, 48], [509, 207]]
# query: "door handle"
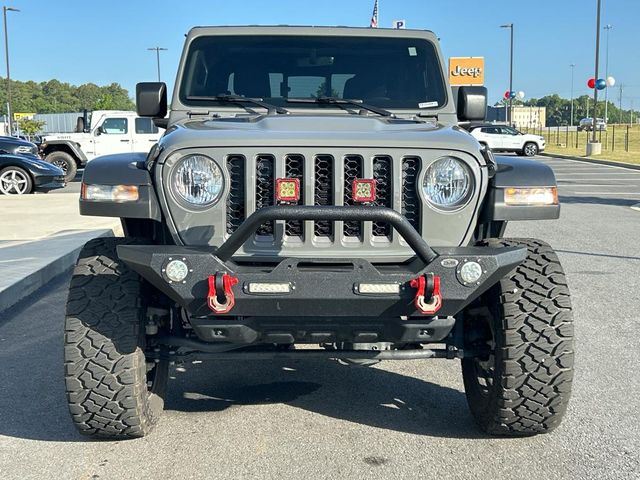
[[125, 141]]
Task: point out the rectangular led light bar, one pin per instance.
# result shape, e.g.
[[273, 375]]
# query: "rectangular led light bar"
[[265, 288], [378, 288]]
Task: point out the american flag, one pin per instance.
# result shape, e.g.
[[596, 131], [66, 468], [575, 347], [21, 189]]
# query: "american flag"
[[374, 17]]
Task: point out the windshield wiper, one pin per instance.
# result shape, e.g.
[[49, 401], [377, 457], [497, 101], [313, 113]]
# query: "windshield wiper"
[[240, 100], [343, 103]]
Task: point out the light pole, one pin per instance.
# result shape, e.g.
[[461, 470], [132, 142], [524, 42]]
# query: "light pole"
[[510, 27], [573, 66], [594, 148], [606, 75], [6, 9], [157, 50]]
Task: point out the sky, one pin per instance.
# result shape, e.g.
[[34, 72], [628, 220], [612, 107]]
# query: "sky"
[[79, 41]]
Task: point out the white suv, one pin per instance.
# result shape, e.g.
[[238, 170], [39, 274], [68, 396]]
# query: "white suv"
[[502, 138]]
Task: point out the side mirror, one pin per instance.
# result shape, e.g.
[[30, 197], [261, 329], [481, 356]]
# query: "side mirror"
[[151, 99], [99, 131], [472, 104]]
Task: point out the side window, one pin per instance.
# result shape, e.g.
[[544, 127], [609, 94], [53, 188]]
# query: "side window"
[[492, 130], [117, 126], [145, 126]]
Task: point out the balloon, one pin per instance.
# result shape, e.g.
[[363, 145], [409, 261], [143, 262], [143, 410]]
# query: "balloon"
[[611, 81], [601, 84], [520, 95], [506, 94], [512, 94], [591, 83]]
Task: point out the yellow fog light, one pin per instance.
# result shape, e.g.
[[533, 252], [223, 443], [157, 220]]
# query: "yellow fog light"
[[531, 196], [110, 193]]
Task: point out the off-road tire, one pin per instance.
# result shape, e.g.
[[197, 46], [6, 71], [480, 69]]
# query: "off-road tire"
[[106, 375], [530, 321], [64, 161]]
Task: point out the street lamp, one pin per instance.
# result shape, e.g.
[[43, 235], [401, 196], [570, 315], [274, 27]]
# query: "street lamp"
[[510, 27], [606, 75], [6, 9], [573, 66], [157, 50]]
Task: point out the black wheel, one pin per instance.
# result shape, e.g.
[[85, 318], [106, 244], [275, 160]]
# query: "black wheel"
[[530, 149], [66, 162], [112, 391], [522, 385], [15, 181]]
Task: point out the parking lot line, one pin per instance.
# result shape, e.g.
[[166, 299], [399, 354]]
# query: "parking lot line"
[[582, 185], [619, 194]]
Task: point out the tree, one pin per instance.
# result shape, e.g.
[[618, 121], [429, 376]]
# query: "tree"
[[30, 127], [54, 96]]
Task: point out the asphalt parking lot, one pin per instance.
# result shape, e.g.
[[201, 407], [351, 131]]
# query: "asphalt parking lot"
[[395, 420]]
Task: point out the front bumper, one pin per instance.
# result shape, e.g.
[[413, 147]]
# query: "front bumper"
[[45, 183], [324, 290]]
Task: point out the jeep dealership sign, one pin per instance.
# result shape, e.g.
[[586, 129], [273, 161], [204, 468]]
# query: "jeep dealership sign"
[[466, 70]]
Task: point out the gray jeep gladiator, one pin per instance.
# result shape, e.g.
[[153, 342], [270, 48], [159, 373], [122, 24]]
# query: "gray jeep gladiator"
[[314, 197]]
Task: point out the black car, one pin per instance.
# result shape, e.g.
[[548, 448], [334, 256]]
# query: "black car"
[[22, 174], [18, 146]]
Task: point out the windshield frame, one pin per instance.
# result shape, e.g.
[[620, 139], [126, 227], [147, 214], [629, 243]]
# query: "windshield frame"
[[445, 105]]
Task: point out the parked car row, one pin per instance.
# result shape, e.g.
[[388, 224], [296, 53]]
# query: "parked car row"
[[22, 171]]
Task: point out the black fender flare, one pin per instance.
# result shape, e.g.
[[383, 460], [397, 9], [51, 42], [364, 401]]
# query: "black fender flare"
[[76, 151], [518, 172], [121, 169]]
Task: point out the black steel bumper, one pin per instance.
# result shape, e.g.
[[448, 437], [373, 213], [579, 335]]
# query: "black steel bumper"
[[324, 290]]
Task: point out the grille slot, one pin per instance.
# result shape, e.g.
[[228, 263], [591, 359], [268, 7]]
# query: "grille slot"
[[265, 189], [382, 171], [323, 191], [353, 165], [236, 207], [410, 200], [294, 168]]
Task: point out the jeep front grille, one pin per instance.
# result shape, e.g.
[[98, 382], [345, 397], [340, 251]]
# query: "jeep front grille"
[[410, 200], [294, 168], [352, 171], [323, 191], [265, 179], [325, 179], [235, 203]]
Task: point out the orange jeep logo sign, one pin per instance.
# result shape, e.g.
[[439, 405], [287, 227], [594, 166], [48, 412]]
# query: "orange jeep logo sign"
[[466, 70]]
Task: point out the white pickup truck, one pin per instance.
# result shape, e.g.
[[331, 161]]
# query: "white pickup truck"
[[102, 132]]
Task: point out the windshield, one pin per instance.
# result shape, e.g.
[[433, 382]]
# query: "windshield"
[[398, 73]]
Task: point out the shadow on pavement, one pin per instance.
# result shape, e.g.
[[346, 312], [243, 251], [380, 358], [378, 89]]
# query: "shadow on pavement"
[[363, 395], [33, 405], [621, 202]]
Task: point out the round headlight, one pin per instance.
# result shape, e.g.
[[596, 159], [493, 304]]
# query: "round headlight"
[[197, 180], [447, 183]]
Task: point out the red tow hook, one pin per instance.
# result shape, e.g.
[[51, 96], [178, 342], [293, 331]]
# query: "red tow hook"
[[221, 298], [428, 298]]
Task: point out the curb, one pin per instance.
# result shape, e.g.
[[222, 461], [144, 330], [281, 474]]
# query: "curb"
[[26, 281], [609, 163]]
